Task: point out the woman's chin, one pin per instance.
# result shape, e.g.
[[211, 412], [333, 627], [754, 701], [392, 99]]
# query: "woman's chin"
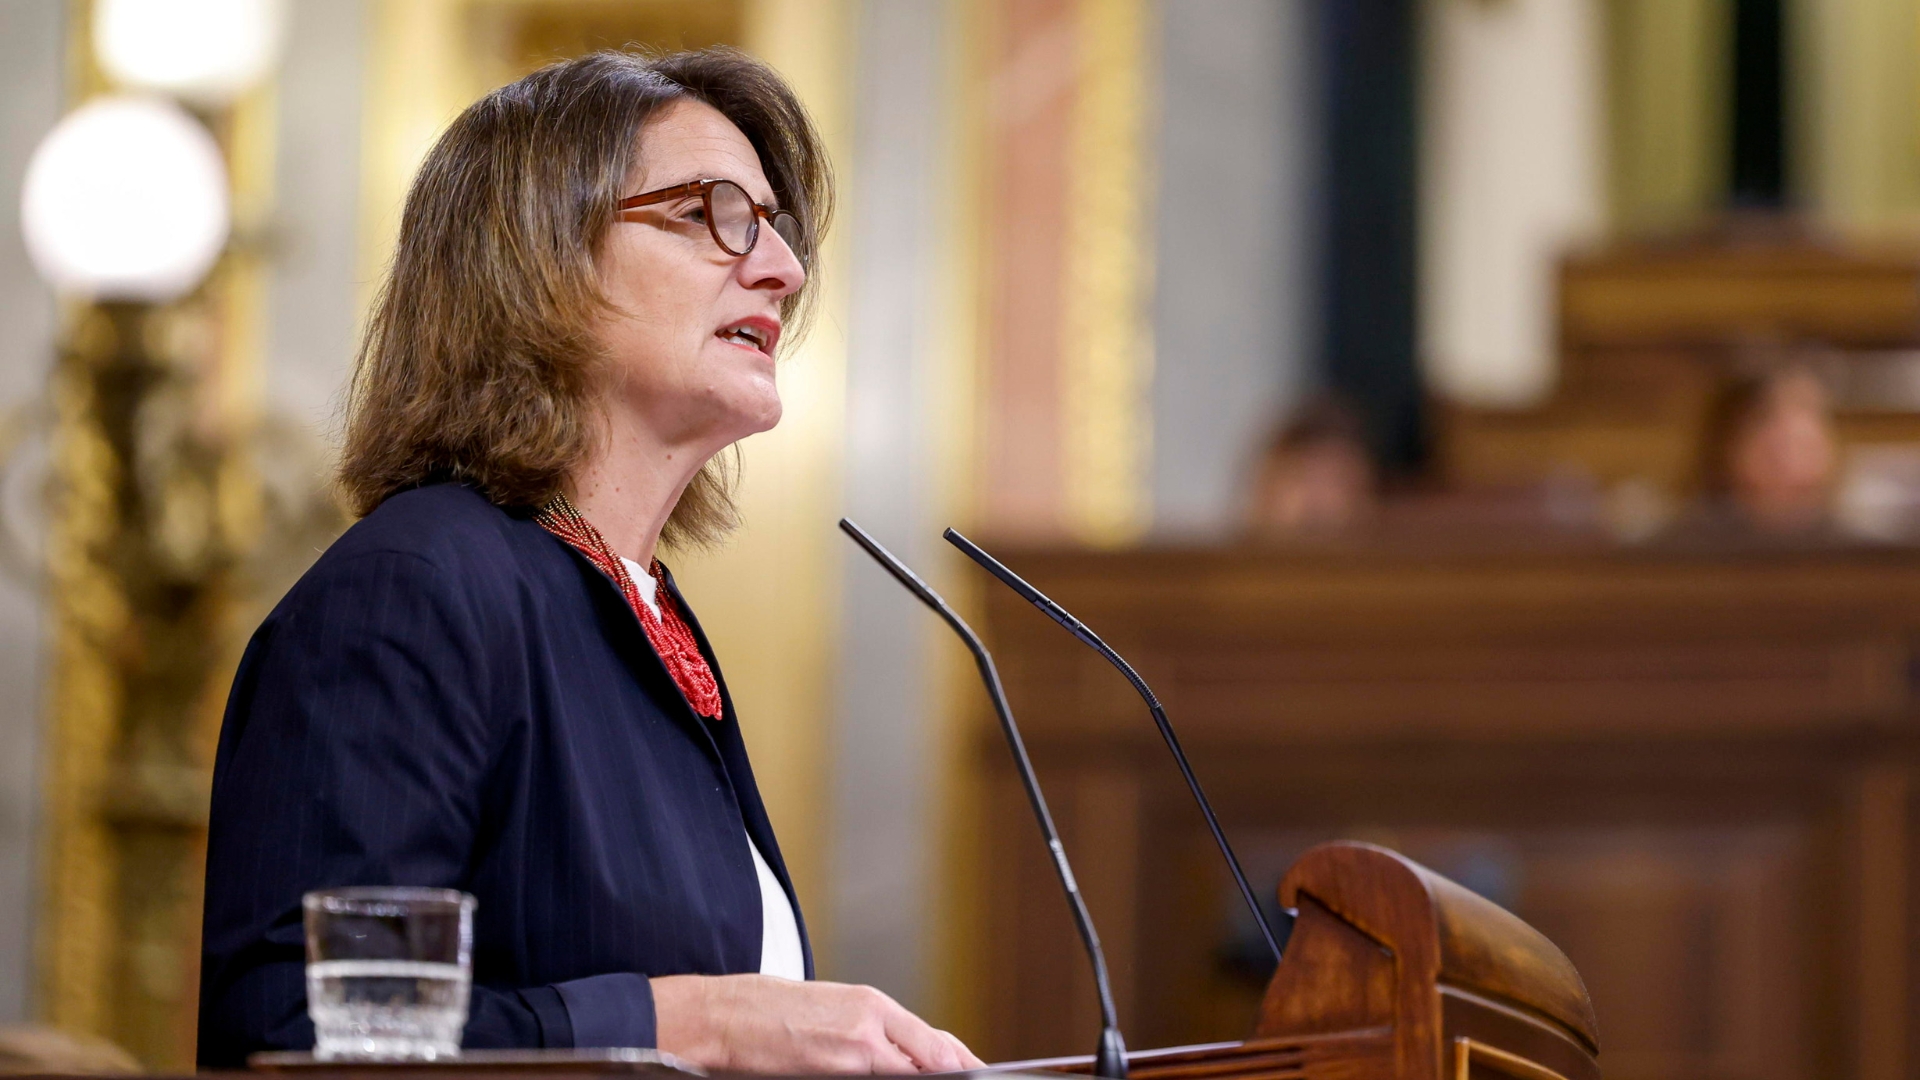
[[756, 412], [763, 404], [766, 421]]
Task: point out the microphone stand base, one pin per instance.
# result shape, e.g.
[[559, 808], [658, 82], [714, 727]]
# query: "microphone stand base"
[[1110, 1060]]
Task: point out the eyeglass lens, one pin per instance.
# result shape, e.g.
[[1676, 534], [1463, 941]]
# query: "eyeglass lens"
[[788, 227], [736, 222]]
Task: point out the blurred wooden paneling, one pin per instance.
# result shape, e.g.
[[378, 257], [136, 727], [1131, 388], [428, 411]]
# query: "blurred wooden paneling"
[[1649, 333], [1718, 294], [1691, 771]]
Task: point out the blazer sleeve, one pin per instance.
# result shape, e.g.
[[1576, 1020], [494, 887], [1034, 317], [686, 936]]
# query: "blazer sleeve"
[[355, 751]]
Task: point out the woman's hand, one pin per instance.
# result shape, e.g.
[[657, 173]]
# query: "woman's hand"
[[763, 1024]]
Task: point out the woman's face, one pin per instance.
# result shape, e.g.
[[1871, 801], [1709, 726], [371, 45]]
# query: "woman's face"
[[1783, 458], [681, 370]]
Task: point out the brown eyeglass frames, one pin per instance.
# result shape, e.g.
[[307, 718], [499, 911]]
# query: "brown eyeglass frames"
[[732, 216]]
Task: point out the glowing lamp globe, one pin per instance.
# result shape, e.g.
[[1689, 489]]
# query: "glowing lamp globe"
[[205, 51], [125, 199]]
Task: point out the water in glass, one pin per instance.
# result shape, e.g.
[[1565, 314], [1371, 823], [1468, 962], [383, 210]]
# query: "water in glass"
[[387, 1008]]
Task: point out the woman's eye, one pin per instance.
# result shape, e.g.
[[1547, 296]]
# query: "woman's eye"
[[694, 213]]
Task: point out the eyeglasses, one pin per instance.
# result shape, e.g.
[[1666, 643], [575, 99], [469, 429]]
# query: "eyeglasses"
[[732, 216]]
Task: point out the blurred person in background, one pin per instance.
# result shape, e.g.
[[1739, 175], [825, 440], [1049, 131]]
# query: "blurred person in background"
[[491, 683], [1315, 477], [1772, 455]]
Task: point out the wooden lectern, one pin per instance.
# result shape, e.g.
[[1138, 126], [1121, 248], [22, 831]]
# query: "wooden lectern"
[[1394, 971]]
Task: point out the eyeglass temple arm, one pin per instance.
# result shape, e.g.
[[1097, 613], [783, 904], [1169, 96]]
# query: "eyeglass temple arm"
[[647, 198]]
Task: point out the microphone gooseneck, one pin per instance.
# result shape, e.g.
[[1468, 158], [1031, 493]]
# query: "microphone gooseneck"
[[1110, 1060], [1079, 629]]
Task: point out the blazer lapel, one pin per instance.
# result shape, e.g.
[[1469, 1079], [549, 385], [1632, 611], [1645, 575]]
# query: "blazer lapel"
[[733, 752]]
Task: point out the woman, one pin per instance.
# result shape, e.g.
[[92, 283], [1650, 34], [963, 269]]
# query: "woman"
[[1772, 456], [489, 683]]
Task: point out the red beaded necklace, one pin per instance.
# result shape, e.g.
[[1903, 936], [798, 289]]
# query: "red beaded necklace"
[[670, 635]]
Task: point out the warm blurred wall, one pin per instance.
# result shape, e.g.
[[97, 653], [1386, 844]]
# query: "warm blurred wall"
[[32, 87]]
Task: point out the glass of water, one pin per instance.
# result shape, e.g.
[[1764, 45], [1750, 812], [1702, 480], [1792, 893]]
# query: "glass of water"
[[388, 972]]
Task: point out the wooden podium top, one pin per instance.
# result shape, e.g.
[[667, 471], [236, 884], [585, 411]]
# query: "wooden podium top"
[[1382, 942]]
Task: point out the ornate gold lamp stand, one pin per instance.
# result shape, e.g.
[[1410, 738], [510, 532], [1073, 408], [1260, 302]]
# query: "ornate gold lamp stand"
[[147, 535], [158, 518]]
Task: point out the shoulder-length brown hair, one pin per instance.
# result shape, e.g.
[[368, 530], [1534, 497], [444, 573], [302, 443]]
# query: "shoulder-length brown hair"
[[479, 362]]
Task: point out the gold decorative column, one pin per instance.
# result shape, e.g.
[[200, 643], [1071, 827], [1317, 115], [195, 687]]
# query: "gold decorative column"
[[1106, 344]]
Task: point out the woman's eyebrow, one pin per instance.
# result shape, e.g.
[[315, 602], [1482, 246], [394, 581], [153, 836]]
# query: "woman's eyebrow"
[[771, 202]]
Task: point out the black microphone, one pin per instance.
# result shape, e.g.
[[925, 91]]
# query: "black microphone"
[[1110, 1060], [1079, 629]]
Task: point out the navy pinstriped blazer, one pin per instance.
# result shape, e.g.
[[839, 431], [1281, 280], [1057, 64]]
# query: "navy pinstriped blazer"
[[453, 697]]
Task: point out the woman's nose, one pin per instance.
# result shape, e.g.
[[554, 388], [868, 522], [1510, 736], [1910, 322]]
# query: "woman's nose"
[[773, 265]]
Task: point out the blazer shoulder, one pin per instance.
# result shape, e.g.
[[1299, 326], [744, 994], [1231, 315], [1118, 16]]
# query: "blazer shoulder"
[[459, 545], [451, 527]]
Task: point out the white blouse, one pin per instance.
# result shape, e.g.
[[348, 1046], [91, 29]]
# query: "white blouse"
[[780, 952]]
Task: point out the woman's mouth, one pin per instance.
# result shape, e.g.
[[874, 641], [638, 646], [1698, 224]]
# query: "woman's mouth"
[[756, 334]]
